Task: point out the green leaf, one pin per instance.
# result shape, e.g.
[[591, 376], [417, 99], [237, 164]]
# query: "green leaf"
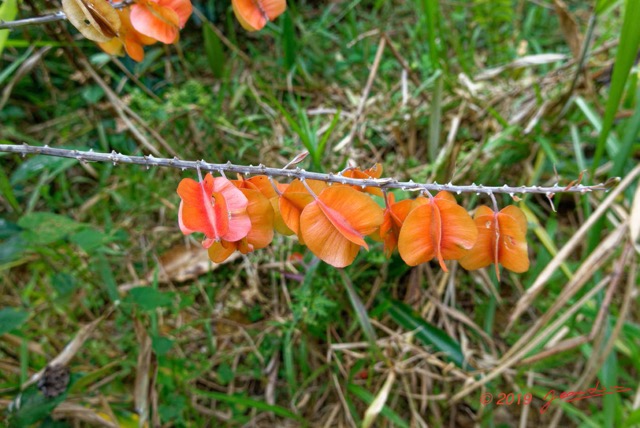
[[45, 228], [89, 239], [625, 57], [214, 51], [103, 269], [633, 420], [7, 191], [249, 402], [425, 332], [289, 44], [31, 406], [35, 166], [8, 12], [11, 319], [12, 249], [64, 283], [8, 229], [161, 345], [148, 298], [92, 94], [225, 374]]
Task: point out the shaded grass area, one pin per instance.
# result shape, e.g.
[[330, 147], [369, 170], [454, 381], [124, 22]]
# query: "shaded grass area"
[[91, 253]]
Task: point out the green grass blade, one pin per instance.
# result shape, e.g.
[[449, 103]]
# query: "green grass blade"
[[360, 310], [8, 71], [8, 12], [628, 139], [575, 139], [610, 403], [250, 402], [325, 137], [289, 45], [633, 420], [7, 191], [435, 119], [431, 11], [214, 51], [368, 398], [603, 5], [612, 142], [625, 57], [425, 332]]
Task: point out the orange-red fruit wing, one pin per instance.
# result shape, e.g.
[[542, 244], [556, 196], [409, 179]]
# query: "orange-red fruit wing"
[[415, 243], [438, 228], [394, 217], [374, 172], [263, 184], [354, 214], [220, 251], [400, 211], [253, 15], [446, 196], [518, 216], [182, 8], [112, 47], [512, 251], [196, 213], [334, 226], [459, 231], [324, 240], [155, 21], [483, 252], [134, 48], [278, 222], [236, 202], [294, 199], [261, 215]]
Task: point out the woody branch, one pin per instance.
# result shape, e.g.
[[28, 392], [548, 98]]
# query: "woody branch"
[[44, 19], [221, 168]]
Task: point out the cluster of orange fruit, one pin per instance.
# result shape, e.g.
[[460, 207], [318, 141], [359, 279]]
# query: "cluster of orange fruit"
[[333, 220], [145, 22]]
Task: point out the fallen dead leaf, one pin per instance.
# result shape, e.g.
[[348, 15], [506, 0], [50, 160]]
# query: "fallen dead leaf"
[[179, 264], [569, 27]]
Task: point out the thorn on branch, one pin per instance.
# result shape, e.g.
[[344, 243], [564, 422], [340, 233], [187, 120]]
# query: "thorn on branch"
[[550, 199]]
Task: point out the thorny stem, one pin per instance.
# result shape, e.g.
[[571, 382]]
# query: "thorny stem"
[[52, 17], [382, 183]]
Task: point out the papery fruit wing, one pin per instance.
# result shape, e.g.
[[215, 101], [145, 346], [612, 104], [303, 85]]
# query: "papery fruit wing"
[[459, 231], [415, 243], [324, 240], [155, 21], [220, 251]]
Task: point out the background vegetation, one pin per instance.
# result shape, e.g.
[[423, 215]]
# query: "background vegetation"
[[91, 254]]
